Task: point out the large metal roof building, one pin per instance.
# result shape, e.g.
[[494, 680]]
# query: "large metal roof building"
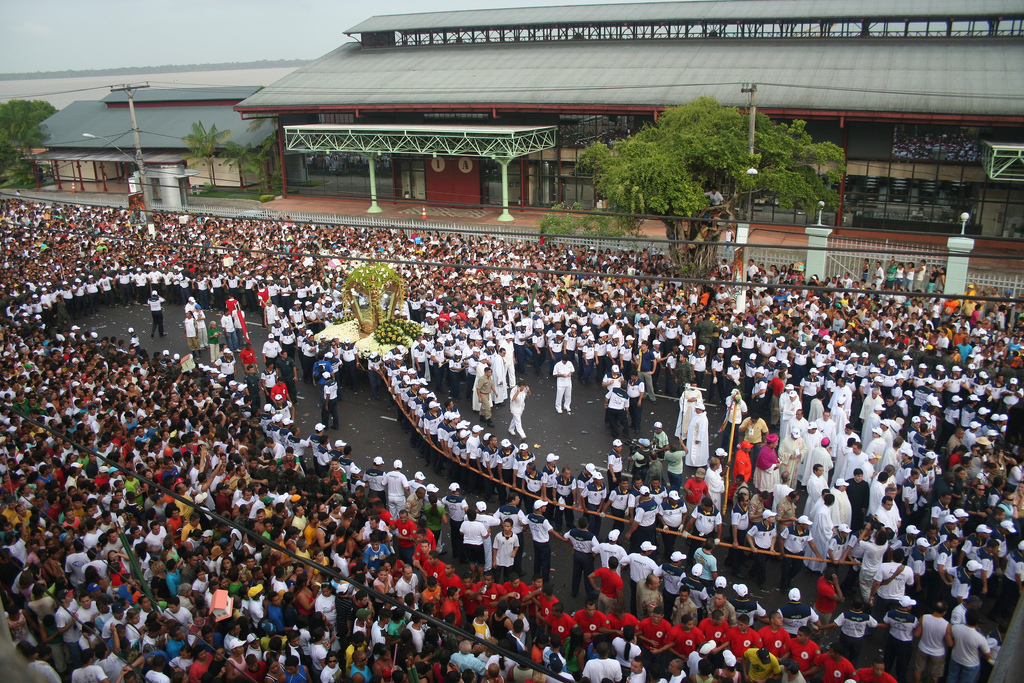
[[931, 86]]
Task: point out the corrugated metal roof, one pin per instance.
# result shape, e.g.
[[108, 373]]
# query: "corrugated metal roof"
[[700, 9], [196, 94], [100, 155], [160, 127], [976, 77]]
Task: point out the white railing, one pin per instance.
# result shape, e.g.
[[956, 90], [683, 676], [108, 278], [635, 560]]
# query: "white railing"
[[839, 263], [1010, 286]]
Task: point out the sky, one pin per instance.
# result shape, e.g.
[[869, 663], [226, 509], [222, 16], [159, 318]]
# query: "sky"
[[56, 35]]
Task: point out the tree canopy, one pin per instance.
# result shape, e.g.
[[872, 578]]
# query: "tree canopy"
[[19, 133], [202, 145], [666, 168]]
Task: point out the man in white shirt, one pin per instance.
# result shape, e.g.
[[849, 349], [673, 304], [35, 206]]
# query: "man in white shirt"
[[397, 486], [563, 371], [890, 583]]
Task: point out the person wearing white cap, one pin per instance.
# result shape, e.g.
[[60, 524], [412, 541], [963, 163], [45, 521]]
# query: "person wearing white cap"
[[796, 540], [796, 614], [761, 539], [456, 506], [541, 531], [641, 564], [899, 645], [396, 485]]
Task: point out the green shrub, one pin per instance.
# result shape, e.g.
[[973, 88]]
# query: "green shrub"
[[266, 198]]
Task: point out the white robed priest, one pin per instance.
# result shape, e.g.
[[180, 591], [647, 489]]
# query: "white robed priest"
[[689, 398], [789, 403], [697, 438], [821, 531], [499, 373], [842, 512]]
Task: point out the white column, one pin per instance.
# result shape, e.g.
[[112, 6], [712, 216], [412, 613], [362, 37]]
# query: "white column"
[[739, 271], [960, 248], [817, 241]]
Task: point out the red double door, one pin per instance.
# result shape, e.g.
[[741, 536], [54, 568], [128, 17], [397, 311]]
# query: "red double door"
[[453, 180]]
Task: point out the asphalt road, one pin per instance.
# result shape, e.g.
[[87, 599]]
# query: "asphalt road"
[[370, 427]]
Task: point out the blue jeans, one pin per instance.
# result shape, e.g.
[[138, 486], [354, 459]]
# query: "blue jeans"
[[958, 673], [675, 481]]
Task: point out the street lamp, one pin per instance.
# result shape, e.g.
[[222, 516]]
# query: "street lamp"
[[752, 174], [821, 208], [964, 217]]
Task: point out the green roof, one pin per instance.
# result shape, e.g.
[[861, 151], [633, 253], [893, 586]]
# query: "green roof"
[[160, 127]]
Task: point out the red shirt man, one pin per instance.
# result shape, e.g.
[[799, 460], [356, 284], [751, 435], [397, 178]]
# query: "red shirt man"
[[405, 531], [834, 668], [561, 623], [776, 641], [826, 603], [686, 638], [696, 489], [713, 631], [620, 621], [449, 579], [611, 582], [804, 651], [490, 593], [517, 589], [654, 631], [875, 674], [590, 619], [742, 638]]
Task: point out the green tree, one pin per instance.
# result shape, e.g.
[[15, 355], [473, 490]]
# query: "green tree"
[[248, 160], [203, 144], [20, 132], [666, 168], [583, 224]]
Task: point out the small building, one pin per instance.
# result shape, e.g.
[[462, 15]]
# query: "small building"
[[89, 143]]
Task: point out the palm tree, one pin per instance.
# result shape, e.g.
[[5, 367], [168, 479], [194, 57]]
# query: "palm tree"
[[202, 145], [246, 159]]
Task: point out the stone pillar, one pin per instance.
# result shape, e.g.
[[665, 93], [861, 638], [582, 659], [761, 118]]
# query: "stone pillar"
[[505, 215], [373, 184], [739, 269], [817, 241], [960, 248]]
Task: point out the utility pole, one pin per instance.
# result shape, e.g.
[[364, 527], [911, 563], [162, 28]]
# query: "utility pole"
[[752, 111], [147, 191]]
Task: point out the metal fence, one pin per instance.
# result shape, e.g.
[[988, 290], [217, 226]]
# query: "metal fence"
[[838, 264], [1008, 285]]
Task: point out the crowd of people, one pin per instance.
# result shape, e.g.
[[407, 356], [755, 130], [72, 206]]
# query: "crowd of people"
[[874, 442], [933, 145]]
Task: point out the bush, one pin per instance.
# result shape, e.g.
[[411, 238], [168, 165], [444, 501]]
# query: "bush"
[[266, 198]]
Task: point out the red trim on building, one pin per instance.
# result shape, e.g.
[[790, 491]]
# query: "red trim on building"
[[178, 103]]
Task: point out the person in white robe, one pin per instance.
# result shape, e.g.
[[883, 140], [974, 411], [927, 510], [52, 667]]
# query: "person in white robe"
[[815, 410], [827, 430], [817, 455], [873, 420], [689, 398], [816, 485], [821, 532], [791, 450], [779, 493], [697, 446], [789, 403], [812, 441], [842, 512], [499, 374], [841, 402]]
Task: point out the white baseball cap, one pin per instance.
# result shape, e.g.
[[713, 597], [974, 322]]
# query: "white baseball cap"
[[647, 547], [741, 589], [794, 595]]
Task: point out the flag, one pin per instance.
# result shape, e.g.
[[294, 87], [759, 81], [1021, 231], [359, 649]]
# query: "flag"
[[238, 315]]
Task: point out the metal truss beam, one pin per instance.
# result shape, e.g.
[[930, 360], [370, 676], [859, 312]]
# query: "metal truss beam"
[[499, 144], [1003, 161], [964, 26]]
